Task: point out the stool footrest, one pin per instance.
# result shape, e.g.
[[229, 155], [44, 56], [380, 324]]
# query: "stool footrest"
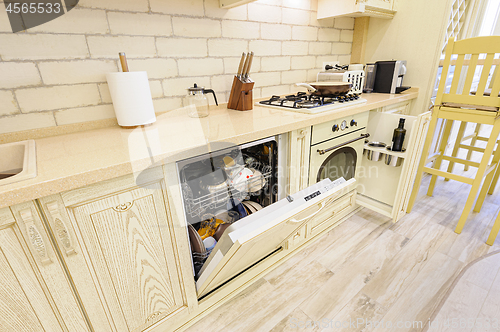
[[467, 137], [473, 148], [447, 175], [461, 161]]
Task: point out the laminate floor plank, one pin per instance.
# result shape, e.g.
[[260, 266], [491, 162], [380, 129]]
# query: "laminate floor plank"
[[416, 303], [233, 309], [490, 310], [399, 273], [290, 291], [357, 315], [471, 243], [462, 305], [344, 251], [297, 320], [344, 285], [483, 272]]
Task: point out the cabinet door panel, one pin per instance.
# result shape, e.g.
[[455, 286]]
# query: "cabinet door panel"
[[380, 4], [130, 245], [23, 303]]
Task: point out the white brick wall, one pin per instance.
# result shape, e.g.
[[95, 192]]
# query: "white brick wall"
[[139, 24], [54, 74], [7, 103], [182, 47], [74, 72]]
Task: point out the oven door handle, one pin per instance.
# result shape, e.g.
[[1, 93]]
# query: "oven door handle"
[[363, 136]]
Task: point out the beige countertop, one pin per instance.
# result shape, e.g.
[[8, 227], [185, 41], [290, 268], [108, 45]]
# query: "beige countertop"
[[75, 160]]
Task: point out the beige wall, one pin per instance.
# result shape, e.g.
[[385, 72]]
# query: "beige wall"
[[414, 34], [54, 74]]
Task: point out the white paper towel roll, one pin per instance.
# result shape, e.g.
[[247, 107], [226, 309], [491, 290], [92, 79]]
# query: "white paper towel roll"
[[131, 97]]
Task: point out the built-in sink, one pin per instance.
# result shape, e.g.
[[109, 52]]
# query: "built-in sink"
[[17, 161]]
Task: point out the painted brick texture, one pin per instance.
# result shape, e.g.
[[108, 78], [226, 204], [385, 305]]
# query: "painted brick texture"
[[54, 74]]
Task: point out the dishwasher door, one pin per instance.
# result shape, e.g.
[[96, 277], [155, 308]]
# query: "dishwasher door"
[[249, 240]]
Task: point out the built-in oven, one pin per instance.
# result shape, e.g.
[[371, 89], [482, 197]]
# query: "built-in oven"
[[236, 211], [337, 148]]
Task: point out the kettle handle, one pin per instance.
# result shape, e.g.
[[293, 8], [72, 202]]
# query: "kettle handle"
[[212, 92]]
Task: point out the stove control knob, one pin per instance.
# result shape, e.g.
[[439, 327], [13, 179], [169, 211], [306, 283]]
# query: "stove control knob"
[[335, 128], [353, 123]]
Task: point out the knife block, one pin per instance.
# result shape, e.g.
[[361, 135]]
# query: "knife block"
[[241, 97]]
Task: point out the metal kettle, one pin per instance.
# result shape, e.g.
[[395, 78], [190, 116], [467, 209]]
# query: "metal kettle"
[[197, 102]]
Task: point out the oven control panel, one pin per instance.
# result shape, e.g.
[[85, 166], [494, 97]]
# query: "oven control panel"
[[338, 127]]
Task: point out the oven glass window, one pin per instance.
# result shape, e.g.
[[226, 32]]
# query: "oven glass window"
[[341, 163]]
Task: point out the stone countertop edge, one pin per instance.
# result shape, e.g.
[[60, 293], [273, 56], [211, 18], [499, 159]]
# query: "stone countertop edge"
[[75, 160]]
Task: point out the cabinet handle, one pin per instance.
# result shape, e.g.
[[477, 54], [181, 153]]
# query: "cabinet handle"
[[60, 228], [35, 237], [342, 144], [322, 205]]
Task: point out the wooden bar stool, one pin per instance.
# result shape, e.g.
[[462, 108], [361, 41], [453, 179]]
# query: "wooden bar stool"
[[452, 104], [474, 137]]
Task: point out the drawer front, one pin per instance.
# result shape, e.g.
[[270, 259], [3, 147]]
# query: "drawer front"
[[323, 220], [399, 108], [337, 210]]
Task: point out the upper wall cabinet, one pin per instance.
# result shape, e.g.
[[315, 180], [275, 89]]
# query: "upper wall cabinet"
[[232, 3], [356, 8]]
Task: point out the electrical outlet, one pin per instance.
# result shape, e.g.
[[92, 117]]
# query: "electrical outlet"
[[331, 63]]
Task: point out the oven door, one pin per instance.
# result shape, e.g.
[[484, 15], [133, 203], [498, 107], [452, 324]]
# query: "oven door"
[[264, 232], [343, 161]]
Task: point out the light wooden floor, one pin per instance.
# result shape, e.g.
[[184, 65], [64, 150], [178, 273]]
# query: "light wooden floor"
[[476, 294], [370, 269]]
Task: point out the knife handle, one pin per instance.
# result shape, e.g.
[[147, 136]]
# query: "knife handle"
[[245, 66], [249, 65], [240, 67]]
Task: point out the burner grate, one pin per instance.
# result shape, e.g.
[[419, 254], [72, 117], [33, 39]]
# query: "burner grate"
[[305, 100]]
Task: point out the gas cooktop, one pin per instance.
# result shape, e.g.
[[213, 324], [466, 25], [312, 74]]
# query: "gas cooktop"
[[310, 104]]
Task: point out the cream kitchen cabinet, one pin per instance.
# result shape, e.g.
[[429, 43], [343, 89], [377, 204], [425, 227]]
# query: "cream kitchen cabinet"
[[121, 250], [35, 294], [403, 108], [299, 142], [357, 8]]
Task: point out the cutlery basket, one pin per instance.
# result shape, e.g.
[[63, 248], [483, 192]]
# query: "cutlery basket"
[[241, 98]]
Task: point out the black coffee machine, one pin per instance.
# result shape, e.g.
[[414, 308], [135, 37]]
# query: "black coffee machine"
[[385, 76]]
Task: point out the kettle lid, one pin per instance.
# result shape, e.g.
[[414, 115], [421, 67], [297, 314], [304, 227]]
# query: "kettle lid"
[[195, 88]]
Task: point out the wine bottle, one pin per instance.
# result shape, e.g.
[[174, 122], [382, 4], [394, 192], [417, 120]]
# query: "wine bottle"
[[399, 136]]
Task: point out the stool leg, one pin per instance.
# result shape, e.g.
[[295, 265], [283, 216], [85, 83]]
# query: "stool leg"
[[439, 159], [494, 231], [423, 158], [495, 177], [458, 141], [494, 182], [478, 178], [487, 182], [472, 143]]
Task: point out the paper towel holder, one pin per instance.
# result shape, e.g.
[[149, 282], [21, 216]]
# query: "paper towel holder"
[[131, 97]]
